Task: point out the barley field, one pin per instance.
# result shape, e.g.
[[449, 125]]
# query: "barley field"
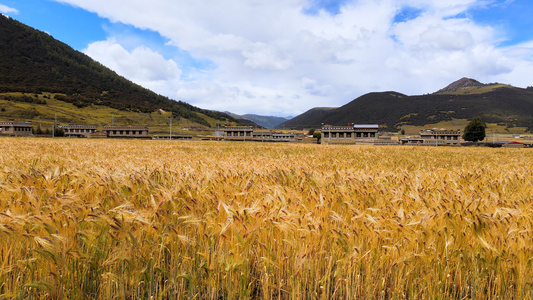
[[116, 219]]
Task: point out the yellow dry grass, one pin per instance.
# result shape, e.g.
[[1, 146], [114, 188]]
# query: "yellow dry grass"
[[110, 219]]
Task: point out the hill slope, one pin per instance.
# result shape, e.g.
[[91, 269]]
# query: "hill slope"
[[312, 118], [32, 61], [494, 103]]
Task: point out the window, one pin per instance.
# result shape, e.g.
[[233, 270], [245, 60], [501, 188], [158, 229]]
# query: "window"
[[326, 134], [358, 135], [372, 134], [348, 135]]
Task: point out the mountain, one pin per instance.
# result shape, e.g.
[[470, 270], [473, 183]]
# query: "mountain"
[[34, 62], [461, 83], [263, 121], [463, 99], [309, 119]]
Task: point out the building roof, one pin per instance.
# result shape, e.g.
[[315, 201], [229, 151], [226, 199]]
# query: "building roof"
[[79, 126], [135, 127], [16, 123], [374, 126]]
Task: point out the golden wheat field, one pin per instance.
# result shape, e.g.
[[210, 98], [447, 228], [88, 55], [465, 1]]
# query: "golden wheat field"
[[115, 219]]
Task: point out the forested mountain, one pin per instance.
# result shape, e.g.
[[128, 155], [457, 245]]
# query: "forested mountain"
[[32, 61], [463, 99]]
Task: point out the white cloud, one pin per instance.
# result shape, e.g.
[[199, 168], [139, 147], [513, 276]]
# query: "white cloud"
[[270, 57], [142, 65], [7, 10]]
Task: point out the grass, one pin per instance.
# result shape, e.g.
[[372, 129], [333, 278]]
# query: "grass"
[[477, 89], [68, 113], [107, 219], [461, 124]]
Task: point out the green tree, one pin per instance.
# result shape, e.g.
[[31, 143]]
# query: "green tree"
[[311, 131], [317, 136], [59, 132], [474, 131]]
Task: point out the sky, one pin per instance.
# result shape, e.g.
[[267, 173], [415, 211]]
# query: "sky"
[[284, 57]]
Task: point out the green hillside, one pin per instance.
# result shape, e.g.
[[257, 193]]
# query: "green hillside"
[[34, 63], [495, 103]]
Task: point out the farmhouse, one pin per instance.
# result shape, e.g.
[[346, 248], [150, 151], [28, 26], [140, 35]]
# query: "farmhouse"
[[365, 133], [139, 131], [80, 131], [441, 136], [238, 133], [248, 133], [20, 128], [173, 137]]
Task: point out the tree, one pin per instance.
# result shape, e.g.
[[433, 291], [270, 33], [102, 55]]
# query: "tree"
[[317, 136], [474, 131], [311, 131]]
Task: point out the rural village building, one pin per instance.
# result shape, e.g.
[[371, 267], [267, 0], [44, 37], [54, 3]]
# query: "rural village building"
[[435, 137], [441, 136], [508, 144], [247, 133], [91, 131], [173, 137], [139, 131], [355, 134], [238, 133], [20, 128], [78, 130]]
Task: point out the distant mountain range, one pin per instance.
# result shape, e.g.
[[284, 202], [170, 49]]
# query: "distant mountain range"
[[264, 121], [33, 62], [462, 99]]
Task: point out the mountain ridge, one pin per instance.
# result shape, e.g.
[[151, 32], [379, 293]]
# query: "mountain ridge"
[[264, 121], [34, 62], [495, 103]]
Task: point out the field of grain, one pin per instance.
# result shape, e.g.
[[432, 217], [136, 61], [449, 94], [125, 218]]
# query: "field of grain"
[[112, 219]]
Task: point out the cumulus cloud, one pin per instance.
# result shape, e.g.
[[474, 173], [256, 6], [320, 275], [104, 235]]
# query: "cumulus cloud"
[[142, 65], [275, 57], [6, 9]]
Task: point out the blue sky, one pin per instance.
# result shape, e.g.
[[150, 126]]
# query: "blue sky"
[[283, 57]]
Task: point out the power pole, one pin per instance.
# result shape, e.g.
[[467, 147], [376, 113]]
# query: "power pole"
[[54, 127], [170, 134]]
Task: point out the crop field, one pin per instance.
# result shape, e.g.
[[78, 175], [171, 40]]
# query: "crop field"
[[116, 219]]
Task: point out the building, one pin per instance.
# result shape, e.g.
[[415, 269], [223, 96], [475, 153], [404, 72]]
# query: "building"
[[355, 134], [79, 131], [238, 133], [139, 131], [173, 137], [20, 128], [412, 141], [507, 144], [247, 133], [441, 137]]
